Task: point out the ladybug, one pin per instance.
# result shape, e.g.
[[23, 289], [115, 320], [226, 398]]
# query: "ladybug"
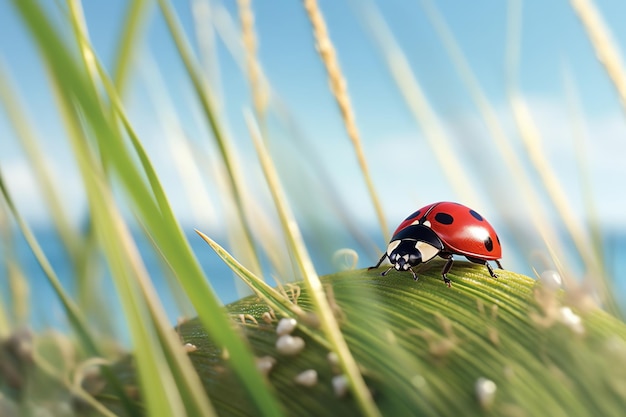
[[443, 229]]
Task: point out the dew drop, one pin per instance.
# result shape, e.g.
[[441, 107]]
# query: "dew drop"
[[286, 326], [265, 364], [289, 345], [340, 385], [551, 279], [307, 378], [485, 392]]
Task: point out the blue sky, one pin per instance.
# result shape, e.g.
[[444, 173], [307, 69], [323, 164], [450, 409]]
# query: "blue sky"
[[403, 167]]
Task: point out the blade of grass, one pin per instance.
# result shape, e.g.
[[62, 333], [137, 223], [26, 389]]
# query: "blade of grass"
[[253, 67], [581, 146], [193, 398], [607, 51], [531, 138], [168, 235], [225, 27], [500, 138], [203, 12], [15, 113], [6, 249], [418, 104], [157, 188], [339, 90], [137, 13], [72, 312], [294, 238], [158, 384], [49, 370], [208, 108], [74, 89], [274, 299]]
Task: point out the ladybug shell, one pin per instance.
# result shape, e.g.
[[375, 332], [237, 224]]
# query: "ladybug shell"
[[462, 230]]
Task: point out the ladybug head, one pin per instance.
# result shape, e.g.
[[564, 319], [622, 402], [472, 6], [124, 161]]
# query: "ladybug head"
[[413, 245], [403, 254], [407, 253]]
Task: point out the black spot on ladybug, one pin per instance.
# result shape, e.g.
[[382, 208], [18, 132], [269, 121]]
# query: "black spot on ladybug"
[[489, 244], [444, 218], [476, 216]]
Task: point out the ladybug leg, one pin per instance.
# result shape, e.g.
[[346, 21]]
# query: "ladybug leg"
[[493, 274], [499, 264], [484, 262], [415, 277], [380, 261], [446, 269], [386, 271]]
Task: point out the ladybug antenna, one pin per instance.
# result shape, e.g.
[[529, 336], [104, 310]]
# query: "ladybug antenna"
[[387, 271]]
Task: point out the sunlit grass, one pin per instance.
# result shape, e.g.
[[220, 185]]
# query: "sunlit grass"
[[335, 315]]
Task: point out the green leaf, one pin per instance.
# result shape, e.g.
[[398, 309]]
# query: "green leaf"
[[423, 348]]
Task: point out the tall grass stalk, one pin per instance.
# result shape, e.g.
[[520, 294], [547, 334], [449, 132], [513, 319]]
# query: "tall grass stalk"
[[278, 301], [607, 51], [339, 89], [253, 67], [501, 140], [129, 38], [208, 107], [322, 308], [581, 145], [225, 27], [13, 305], [77, 320], [417, 102], [416, 346], [75, 89], [532, 141]]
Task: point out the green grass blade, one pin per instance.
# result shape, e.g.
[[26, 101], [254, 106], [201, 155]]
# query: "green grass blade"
[[76, 319], [156, 377], [423, 348], [137, 13], [501, 140], [322, 308], [208, 109], [532, 141], [15, 113], [274, 299], [7, 303], [419, 105], [606, 49], [72, 312], [581, 146], [168, 235], [339, 90]]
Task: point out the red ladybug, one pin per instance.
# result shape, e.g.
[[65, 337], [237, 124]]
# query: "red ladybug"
[[443, 229]]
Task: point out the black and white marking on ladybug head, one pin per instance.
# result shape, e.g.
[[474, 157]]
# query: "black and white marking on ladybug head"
[[403, 254], [406, 253]]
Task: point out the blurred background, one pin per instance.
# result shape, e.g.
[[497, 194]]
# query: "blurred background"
[[501, 106]]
